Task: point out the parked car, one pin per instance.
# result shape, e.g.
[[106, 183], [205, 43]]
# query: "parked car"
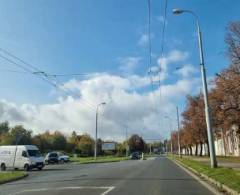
[[56, 157], [62, 158], [51, 158], [135, 156], [25, 157]]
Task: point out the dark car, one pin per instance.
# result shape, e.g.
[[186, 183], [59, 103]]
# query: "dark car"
[[51, 157], [135, 156]]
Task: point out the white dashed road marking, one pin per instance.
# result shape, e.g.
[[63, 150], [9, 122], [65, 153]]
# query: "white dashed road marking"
[[107, 188]]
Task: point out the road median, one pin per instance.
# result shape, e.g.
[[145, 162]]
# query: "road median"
[[9, 176], [88, 160], [225, 179]]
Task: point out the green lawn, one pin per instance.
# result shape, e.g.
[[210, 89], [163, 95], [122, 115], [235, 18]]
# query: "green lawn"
[[9, 176], [226, 176], [223, 159], [100, 159]]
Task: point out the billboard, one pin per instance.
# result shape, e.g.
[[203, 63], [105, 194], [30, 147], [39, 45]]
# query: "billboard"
[[109, 146]]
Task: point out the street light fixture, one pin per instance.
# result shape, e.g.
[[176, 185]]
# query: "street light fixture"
[[95, 148], [205, 90]]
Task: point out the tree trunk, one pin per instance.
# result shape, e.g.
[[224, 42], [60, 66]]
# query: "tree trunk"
[[208, 153], [190, 148], [200, 149], [223, 142], [196, 150]]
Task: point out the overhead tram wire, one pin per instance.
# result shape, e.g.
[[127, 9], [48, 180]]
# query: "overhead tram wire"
[[150, 45], [162, 45], [40, 74], [162, 52], [150, 53]]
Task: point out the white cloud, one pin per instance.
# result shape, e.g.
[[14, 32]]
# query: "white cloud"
[[143, 41], [161, 19], [141, 111], [186, 70], [129, 64], [175, 56]]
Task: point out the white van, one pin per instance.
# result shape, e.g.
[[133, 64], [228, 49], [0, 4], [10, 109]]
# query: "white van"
[[27, 157]]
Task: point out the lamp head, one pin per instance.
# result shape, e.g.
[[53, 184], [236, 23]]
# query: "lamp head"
[[177, 11]]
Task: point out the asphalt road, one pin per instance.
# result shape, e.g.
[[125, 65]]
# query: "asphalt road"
[[156, 176]]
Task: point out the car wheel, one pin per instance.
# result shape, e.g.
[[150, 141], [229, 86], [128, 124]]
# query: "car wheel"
[[26, 167], [3, 167], [39, 168]]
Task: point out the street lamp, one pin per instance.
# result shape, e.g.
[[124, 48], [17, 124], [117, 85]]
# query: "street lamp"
[[178, 125], [170, 127], [205, 90], [95, 149]]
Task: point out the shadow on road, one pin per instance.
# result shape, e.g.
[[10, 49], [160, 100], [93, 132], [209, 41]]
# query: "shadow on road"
[[45, 170]]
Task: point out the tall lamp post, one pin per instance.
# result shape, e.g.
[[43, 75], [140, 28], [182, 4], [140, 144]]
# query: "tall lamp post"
[[205, 90], [126, 141], [170, 129], [179, 146], [178, 126], [95, 148]]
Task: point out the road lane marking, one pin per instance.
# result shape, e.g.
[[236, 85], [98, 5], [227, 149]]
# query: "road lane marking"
[[107, 188]]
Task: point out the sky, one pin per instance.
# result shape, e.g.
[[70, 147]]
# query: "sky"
[[108, 42]]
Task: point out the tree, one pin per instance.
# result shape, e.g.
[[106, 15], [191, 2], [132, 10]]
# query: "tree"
[[136, 143], [233, 42], [121, 149], [17, 135], [85, 145], [4, 128], [194, 121], [59, 141]]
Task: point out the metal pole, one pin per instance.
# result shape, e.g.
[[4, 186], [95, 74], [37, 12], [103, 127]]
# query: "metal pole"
[[126, 142], [18, 138], [150, 148], [95, 149], [14, 159], [205, 94], [179, 146], [205, 90]]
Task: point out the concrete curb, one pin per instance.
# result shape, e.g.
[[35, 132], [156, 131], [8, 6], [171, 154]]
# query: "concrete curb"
[[220, 187], [14, 179]]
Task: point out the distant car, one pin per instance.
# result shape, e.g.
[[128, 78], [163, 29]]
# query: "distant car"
[[135, 156], [51, 157], [62, 158]]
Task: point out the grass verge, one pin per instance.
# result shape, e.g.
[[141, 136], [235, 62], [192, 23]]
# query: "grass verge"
[[101, 159], [11, 176], [225, 176]]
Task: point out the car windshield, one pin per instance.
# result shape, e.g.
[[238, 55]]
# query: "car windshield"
[[34, 153], [53, 155]]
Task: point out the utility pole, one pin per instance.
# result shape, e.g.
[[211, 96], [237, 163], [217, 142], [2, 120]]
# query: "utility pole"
[[178, 125], [18, 139], [126, 142], [95, 148]]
